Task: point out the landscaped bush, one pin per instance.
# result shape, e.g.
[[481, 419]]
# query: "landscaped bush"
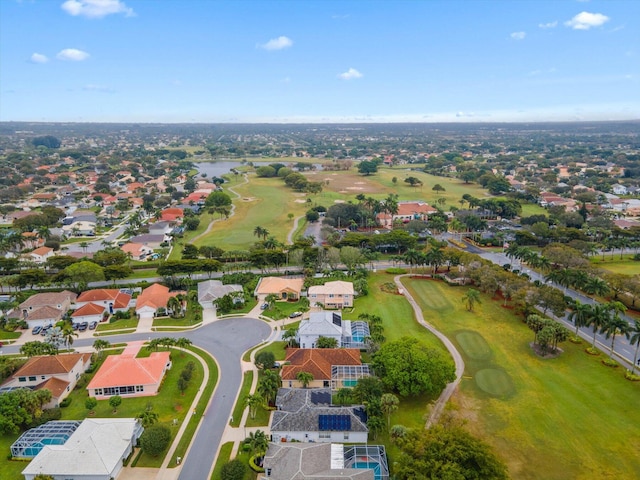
[[65, 403], [396, 270], [254, 466], [155, 439]]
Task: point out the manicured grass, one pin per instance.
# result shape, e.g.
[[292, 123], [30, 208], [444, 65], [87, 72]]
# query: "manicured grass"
[[567, 417], [202, 403], [4, 335], [143, 273], [396, 313], [118, 324], [614, 264], [169, 404], [114, 332], [223, 457], [279, 349], [529, 209], [10, 469], [283, 308], [238, 409], [264, 202]]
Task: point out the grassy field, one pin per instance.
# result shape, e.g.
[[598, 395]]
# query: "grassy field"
[[567, 417], [4, 335], [264, 202], [118, 324], [614, 264]]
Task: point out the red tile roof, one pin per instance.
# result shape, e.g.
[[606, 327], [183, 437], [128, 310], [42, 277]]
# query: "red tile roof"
[[155, 296], [56, 386], [127, 370], [318, 361], [51, 364], [119, 299], [88, 309]]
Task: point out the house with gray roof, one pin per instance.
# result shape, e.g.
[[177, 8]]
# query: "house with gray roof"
[[328, 461], [211, 290], [95, 451], [348, 334], [306, 415]]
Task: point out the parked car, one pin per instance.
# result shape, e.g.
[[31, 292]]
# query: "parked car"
[[75, 325], [264, 306], [45, 329], [295, 315], [83, 326], [93, 325], [36, 330]]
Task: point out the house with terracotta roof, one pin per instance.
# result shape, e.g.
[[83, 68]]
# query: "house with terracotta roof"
[[44, 308], [32, 240], [407, 211], [320, 363], [41, 254], [152, 299], [172, 214], [110, 299], [336, 294], [283, 288], [88, 313], [138, 251], [56, 373], [128, 376]]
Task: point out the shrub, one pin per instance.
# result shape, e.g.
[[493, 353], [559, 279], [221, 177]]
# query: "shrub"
[[396, 270], [155, 439], [65, 403], [233, 470], [254, 465]]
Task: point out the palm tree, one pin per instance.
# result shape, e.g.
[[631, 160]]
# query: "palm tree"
[[55, 337], [100, 345], [634, 339], [268, 385], [147, 418], [261, 232], [258, 442], [596, 286], [68, 334], [271, 299], [580, 315], [599, 317], [412, 257], [174, 305], [305, 378], [471, 298], [343, 396], [615, 324], [389, 404], [253, 402]]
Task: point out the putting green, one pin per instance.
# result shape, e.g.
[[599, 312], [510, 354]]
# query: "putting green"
[[495, 382], [474, 345]]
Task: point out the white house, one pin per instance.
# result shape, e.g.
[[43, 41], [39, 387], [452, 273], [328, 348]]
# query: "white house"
[[41, 254], [619, 189], [95, 451], [306, 415], [349, 334]]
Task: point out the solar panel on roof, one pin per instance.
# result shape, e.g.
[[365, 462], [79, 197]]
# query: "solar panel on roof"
[[337, 320], [321, 398], [339, 423]]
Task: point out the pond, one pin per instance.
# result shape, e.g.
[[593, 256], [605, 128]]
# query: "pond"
[[217, 169]]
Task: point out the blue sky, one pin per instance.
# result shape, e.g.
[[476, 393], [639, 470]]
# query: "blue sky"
[[319, 61]]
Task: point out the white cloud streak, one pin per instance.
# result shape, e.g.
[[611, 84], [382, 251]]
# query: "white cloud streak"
[[547, 25], [518, 35], [96, 8], [350, 74], [39, 58], [72, 55], [587, 20], [277, 43]]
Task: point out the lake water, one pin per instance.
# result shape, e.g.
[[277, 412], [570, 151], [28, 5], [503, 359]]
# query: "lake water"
[[217, 169]]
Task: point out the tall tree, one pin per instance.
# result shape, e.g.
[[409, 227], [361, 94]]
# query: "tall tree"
[[471, 298], [389, 404]]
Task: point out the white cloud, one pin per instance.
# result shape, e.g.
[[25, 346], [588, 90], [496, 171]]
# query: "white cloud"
[[39, 58], [96, 8], [350, 74], [277, 43], [586, 20], [98, 88], [72, 54], [518, 35], [553, 24]]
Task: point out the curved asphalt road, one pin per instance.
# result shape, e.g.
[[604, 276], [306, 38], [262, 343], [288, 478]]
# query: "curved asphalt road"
[[226, 340]]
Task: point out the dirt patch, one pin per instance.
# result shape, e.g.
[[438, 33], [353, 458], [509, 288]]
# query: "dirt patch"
[[249, 199], [298, 200], [338, 201]]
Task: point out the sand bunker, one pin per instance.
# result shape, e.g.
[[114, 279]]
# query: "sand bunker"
[[338, 201], [297, 200]]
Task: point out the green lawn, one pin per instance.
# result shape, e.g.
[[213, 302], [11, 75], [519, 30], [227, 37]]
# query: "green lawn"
[[118, 324], [264, 202], [4, 335], [169, 404], [223, 457], [568, 417], [613, 263], [239, 407]]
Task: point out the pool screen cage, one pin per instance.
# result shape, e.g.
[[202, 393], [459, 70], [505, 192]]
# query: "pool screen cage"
[[367, 456], [55, 432], [348, 375]]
